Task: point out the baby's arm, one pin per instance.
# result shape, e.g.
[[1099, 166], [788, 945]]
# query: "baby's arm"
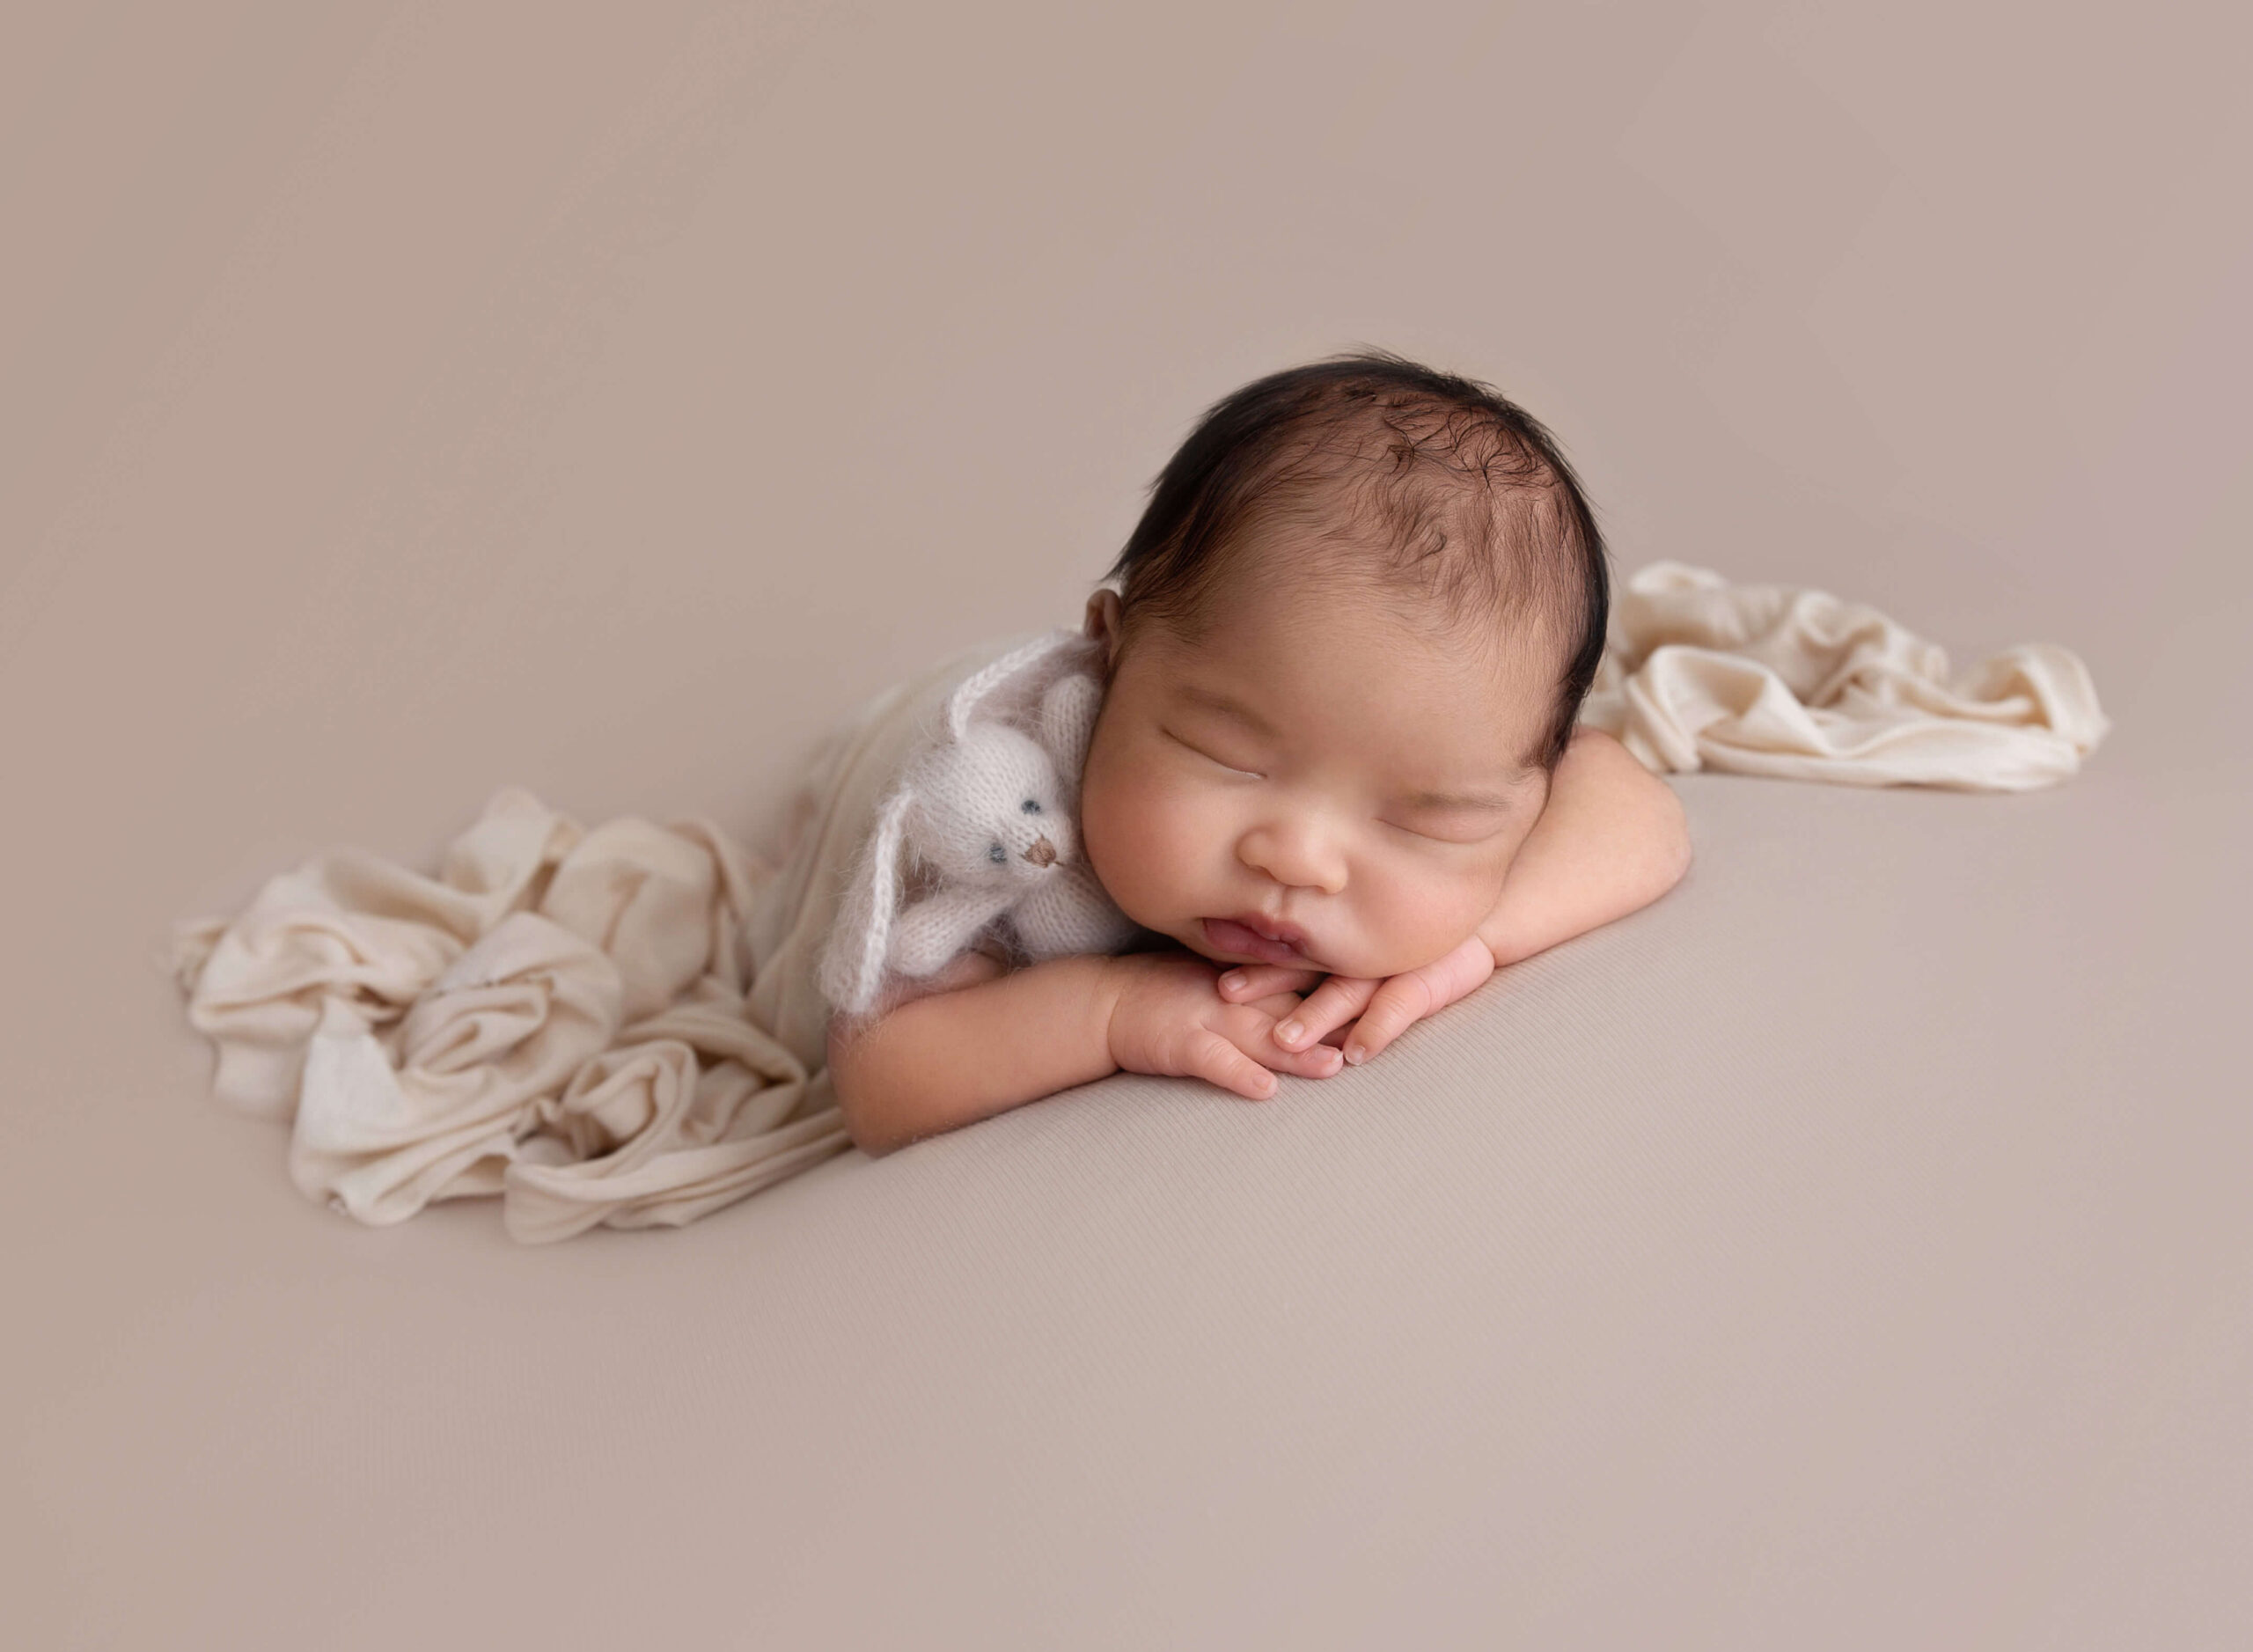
[[950, 1057], [1610, 840], [1001, 1041]]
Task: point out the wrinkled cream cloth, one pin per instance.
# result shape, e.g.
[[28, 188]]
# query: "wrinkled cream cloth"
[[620, 1026], [1769, 679], [625, 1026]]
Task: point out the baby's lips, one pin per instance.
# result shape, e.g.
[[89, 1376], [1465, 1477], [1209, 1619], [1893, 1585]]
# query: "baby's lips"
[[1224, 936]]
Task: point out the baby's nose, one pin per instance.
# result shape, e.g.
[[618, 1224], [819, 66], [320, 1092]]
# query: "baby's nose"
[[1295, 853], [1043, 853]]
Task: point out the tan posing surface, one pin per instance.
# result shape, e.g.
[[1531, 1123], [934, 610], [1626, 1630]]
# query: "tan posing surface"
[[1852, 1251]]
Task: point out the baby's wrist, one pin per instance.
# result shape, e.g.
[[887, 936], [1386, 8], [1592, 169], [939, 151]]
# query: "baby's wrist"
[[1113, 977]]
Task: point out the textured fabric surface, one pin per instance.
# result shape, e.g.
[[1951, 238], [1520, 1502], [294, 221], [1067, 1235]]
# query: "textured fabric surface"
[[1851, 1252]]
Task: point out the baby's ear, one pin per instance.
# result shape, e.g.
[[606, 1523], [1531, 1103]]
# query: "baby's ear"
[[1102, 622]]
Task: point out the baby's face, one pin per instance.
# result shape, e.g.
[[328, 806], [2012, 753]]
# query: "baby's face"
[[1315, 769]]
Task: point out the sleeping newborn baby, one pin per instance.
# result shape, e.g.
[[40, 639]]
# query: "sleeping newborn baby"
[[1335, 776]]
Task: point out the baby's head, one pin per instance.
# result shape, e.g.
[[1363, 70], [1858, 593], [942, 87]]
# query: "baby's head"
[[1354, 631]]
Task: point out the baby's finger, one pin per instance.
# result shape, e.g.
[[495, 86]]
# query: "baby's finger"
[[1327, 1007], [1254, 1032], [1276, 1006], [1399, 1004], [1321, 1061], [1248, 983], [1215, 1059]]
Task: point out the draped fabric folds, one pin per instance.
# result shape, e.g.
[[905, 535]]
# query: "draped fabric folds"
[[1797, 683], [618, 1026]]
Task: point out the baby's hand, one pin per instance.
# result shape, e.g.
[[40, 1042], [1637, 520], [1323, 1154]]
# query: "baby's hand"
[[1168, 1019], [1385, 1008]]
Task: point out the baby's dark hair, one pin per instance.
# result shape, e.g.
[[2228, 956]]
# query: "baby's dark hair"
[[1464, 495]]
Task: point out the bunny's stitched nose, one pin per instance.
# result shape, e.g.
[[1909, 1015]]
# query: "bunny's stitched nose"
[[1042, 853]]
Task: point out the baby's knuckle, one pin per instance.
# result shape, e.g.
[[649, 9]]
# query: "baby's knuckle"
[[1388, 1017]]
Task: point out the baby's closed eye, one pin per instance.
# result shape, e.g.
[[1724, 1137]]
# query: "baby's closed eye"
[[1232, 767], [1436, 819], [1466, 833]]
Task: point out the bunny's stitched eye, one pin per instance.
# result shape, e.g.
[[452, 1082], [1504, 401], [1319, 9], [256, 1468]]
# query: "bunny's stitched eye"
[[998, 855], [1031, 805]]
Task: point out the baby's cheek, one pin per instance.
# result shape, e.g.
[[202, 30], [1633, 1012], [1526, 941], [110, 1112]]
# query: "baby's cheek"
[[1417, 918], [1139, 842]]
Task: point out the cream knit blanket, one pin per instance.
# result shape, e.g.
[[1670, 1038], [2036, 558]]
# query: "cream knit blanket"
[[623, 1026]]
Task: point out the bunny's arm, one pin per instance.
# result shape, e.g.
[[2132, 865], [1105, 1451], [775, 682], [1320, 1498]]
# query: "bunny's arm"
[[1070, 913], [933, 930]]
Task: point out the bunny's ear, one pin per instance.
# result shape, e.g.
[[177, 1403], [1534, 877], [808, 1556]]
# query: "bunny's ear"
[[982, 685], [852, 965], [1067, 715]]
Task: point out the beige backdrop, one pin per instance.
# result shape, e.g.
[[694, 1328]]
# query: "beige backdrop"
[[401, 401]]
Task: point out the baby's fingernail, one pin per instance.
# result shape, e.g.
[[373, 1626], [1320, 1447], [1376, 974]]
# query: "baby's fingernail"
[[1355, 1054], [1290, 1032], [1233, 980]]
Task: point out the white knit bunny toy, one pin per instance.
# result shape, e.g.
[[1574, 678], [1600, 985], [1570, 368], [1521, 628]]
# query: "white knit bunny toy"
[[992, 809]]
